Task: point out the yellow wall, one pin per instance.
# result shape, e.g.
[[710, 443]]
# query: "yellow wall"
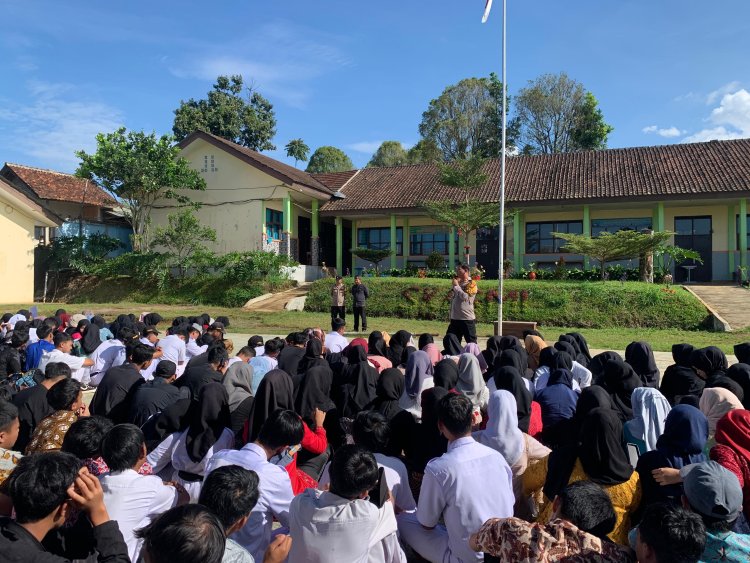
[[16, 255]]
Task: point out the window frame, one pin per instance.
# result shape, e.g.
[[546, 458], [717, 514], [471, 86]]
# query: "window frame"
[[384, 245], [557, 243], [444, 244], [273, 226]]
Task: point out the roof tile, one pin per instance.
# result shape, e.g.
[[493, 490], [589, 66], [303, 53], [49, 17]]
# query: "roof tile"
[[58, 186]]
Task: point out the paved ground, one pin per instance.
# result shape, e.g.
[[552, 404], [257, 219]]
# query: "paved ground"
[[732, 302]]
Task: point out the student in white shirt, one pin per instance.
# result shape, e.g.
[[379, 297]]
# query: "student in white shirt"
[[345, 523], [467, 485], [111, 353], [61, 353], [335, 341], [280, 431], [173, 348], [231, 492], [192, 348], [131, 499]]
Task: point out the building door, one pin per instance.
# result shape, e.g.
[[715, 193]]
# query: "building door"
[[304, 238], [694, 233], [488, 248]]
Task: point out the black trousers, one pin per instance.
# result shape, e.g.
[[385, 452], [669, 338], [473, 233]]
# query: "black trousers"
[[339, 312], [359, 312], [463, 329]]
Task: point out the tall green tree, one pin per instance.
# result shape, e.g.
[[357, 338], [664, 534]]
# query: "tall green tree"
[[389, 153], [425, 151], [556, 114], [329, 159], [137, 169], [298, 150], [248, 120], [466, 119], [183, 238]]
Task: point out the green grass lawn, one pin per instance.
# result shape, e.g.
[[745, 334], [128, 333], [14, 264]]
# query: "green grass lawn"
[[282, 323]]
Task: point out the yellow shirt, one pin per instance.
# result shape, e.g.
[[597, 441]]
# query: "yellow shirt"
[[625, 497]]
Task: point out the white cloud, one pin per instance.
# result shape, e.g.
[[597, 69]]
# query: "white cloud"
[[729, 88], [730, 119], [667, 132], [367, 147], [53, 124], [280, 59]]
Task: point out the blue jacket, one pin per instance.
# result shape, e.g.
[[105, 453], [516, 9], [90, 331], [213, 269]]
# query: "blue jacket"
[[558, 400], [34, 353]]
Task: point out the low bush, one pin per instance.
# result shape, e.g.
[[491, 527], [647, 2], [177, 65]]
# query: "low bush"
[[558, 303]]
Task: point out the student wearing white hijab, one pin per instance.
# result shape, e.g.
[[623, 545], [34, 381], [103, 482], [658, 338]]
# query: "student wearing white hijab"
[[470, 381], [650, 410]]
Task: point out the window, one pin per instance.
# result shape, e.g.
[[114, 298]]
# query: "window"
[[539, 239], [737, 230], [424, 241], [274, 224], [599, 226], [379, 238]]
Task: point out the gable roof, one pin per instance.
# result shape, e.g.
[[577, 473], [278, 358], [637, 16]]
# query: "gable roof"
[[642, 173], [40, 213], [271, 166], [58, 186], [335, 180]]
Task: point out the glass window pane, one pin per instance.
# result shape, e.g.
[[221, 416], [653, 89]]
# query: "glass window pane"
[[575, 227], [532, 246], [683, 226], [546, 229], [532, 230], [546, 245], [702, 226]]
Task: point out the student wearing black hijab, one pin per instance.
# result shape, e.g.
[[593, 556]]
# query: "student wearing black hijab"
[[397, 345], [291, 355], [356, 387], [426, 442], [680, 378], [91, 338], [640, 356], [620, 380], [492, 352], [425, 339], [152, 319], [578, 355], [740, 374], [274, 392], [376, 345], [451, 345], [582, 345], [172, 419], [312, 395], [709, 362], [597, 363], [742, 352], [446, 374], [509, 379], [313, 356], [388, 391]]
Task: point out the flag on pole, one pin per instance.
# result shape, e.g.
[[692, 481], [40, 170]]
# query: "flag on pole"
[[487, 8]]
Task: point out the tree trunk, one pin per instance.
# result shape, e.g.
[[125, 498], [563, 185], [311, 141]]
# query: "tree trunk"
[[603, 266]]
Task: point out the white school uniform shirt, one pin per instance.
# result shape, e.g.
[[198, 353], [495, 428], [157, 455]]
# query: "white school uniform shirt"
[[55, 355], [275, 496], [192, 349], [133, 500], [466, 486], [335, 342], [396, 476], [148, 373], [173, 450], [173, 349], [326, 527], [581, 377], [110, 353]]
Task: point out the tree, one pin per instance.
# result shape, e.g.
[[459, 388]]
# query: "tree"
[[374, 255], [389, 153], [425, 151], [329, 159], [467, 213], [249, 121], [556, 114], [608, 247], [466, 119], [137, 169], [183, 239], [298, 150]]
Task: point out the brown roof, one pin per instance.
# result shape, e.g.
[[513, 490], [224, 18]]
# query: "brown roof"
[[58, 186], [642, 173], [270, 166], [335, 180], [31, 205]]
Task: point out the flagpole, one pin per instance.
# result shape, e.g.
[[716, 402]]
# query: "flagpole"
[[501, 233]]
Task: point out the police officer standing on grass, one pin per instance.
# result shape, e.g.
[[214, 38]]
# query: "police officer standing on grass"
[[360, 294], [463, 320], [338, 296]]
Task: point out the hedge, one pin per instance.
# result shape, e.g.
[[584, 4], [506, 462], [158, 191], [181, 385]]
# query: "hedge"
[[555, 303]]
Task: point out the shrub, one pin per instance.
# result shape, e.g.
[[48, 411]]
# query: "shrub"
[[435, 261], [240, 267]]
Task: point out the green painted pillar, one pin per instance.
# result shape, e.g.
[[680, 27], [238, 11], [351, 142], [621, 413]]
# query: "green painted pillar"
[[659, 227], [393, 241], [743, 232], [315, 219], [731, 239], [354, 244], [315, 227], [586, 231], [339, 246], [452, 249], [405, 241], [517, 255], [288, 214], [263, 222]]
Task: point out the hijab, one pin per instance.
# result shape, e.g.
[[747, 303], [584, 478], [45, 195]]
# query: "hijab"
[[578, 356], [238, 381], [715, 403], [91, 336], [641, 358], [359, 342], [602, 450], [511, 358], [424, 340], [620, 381], [446, 374], [152, 319], [418, 368], [208, 417], [314, 392], [473, 348], [398, 344], [470, 380], [685, 436], [359, 379], [508, 379], [433, 352], [451, 345], [709, 360], [680, 378], [567, 347], [597, 363], [376, 344], [388, 391], [427, 441], [650, 410], [740, 373], [274, 392], [742, 352], [313, 356], [534, 346], [583, 346], [172, 419], [681, 354], [547, 357], [493, 350], [408, 351], [733, 431], [502, 433]]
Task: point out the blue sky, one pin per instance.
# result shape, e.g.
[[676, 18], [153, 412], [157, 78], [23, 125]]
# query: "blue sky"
[[352, 74]]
